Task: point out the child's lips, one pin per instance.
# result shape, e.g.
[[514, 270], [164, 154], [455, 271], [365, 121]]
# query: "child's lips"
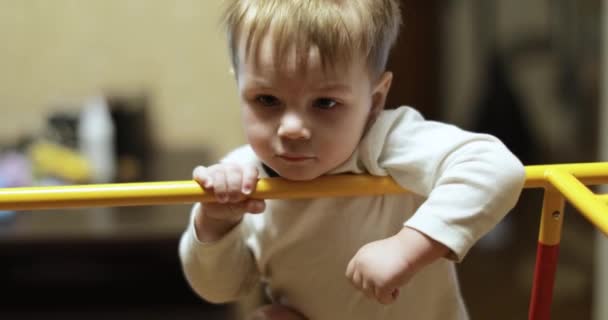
[[295, 157]]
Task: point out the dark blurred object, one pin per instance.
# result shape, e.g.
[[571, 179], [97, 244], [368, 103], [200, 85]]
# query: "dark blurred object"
[[415, 59], [132, 135], [132, 143], [62, 128], [500, 112]]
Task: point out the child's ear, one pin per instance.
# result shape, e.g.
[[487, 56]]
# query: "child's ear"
[[379, 97], [381, 92]]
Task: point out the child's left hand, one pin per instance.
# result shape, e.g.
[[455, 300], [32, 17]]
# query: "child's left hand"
[[381, 267]]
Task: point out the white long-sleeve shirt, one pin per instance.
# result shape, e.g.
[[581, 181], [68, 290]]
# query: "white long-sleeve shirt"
[[461, 185]]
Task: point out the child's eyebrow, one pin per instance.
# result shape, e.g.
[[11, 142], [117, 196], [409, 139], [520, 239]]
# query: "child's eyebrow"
[[335, 87], [260, 83]]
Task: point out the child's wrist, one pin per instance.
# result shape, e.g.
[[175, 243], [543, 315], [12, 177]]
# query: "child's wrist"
[[209, 229], [420, 249]]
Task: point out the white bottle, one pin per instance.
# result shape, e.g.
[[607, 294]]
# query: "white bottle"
[[96, 139]]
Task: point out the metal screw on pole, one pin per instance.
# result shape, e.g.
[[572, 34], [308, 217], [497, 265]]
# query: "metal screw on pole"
[[556, 214]]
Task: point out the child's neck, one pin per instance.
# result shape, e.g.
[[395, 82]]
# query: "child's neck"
[[271, 173]]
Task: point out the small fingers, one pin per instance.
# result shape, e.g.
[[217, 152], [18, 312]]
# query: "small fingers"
[[219, 185], [354, 275], [395, 294], [350, 269], [234, 178], [224, 211], [242, 207], [368, 289], [250, 179], [386, 295], [201, 175], [363, 285], [254, 205], [356, 279], [230, 183]]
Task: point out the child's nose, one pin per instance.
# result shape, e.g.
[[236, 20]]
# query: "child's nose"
[[293, 127]]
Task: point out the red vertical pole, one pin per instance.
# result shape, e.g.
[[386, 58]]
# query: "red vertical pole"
[[546, 255]]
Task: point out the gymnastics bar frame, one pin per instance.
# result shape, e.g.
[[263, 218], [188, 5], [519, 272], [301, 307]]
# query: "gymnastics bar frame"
[[560, 182]]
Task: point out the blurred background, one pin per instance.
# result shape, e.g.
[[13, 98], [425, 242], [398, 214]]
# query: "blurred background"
[[134, 90]]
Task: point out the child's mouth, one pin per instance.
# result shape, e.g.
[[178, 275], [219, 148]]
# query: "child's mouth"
[[295, 157]]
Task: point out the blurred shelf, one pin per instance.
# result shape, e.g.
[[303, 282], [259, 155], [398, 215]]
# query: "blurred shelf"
[[111, 224], [83, 261]]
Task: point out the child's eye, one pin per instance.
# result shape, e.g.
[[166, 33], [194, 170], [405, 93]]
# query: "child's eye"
[[267, 100], [325, 103]]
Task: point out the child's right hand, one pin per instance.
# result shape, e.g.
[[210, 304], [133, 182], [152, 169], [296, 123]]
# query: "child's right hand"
[[232, 185]]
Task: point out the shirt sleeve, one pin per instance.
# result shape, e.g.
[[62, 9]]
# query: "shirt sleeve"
[[219, 271], [470, 181]]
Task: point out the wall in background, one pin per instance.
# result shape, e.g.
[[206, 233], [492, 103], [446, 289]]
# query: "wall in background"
[[56, 53], [600, 309], [548, 52]]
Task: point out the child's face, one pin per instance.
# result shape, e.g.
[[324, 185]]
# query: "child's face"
[[301, 121]]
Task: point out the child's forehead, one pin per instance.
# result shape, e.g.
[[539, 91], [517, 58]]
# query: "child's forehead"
[[268, 57]]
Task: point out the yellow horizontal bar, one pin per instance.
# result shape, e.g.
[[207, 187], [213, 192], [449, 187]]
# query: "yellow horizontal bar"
[[592, 173], [589, 204], [603, 197], [155, 193]]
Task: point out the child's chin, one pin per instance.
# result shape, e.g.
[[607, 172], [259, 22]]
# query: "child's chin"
[[299, 175]]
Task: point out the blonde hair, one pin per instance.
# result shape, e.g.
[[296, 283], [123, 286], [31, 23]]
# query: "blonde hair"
[[340, 29]]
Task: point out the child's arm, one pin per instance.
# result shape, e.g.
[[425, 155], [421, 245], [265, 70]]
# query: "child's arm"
[[469, 182], [381, 267], [215, 259]]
